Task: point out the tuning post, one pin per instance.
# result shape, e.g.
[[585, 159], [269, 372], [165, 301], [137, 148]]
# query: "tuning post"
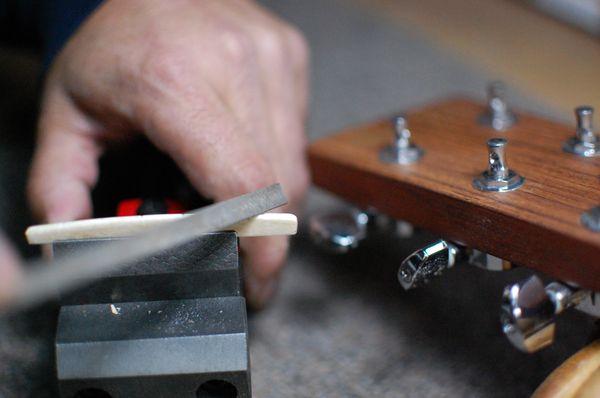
[[497, 115], [498, 177], [529, 310], [585, 142], [402, 151]]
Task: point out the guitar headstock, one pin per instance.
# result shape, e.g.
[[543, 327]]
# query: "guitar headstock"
[[511, 187]]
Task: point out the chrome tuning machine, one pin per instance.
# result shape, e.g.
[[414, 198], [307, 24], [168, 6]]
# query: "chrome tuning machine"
[[339, 232], [529, 309], [498, 114], [431, 260], [585, 143], [426, 263]]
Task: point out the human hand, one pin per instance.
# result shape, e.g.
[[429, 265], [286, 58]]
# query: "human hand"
[[220, 86]]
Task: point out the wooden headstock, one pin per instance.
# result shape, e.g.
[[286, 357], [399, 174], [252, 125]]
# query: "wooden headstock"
[[537, 226]]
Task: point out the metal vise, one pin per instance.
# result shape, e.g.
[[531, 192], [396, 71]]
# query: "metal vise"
[[172, 325]]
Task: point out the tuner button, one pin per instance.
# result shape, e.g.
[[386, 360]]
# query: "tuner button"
[[591, 219], [497, 115], [585, 142], [425, 263], [402, 150], [498, 177], [529, 310], [527, 315], [339, 232]]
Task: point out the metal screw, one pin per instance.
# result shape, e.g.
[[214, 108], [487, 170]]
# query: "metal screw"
[[585, 142], [402, 150], [498, 115], [498, 177]]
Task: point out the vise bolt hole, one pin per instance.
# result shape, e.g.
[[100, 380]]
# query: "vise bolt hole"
[[92, 393], [217, 389]]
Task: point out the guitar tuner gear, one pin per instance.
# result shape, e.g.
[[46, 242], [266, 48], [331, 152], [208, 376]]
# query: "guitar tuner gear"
[[591, 219], [402, 150], [529, 310], [426, 263], [497, 115], [585, 142], [498, 177]]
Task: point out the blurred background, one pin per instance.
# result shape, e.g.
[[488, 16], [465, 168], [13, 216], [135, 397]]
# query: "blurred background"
[[341, 326]]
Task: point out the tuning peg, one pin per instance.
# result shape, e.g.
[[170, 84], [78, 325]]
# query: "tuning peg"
[[339, 232], [529, 310], [425, 263], [498, 177], [402, 150], [585, 142], [497, 115]]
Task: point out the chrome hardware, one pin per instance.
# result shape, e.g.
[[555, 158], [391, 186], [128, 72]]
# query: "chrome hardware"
[[590, 305], [403, 229], [339, 232], [425, 263], [498, 177], [498, 115], [591, 219], [487, 261], [529, 309], [402, 150], [585, 142]]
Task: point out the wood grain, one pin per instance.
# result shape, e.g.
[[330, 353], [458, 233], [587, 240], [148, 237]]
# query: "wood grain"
[[537, 226]]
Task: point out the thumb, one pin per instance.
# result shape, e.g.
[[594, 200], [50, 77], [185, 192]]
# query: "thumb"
[[64, 167]]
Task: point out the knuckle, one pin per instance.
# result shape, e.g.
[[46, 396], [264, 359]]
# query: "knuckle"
[[162, 68], [298, 45], [272, 44], [236, 46], [259, 173]]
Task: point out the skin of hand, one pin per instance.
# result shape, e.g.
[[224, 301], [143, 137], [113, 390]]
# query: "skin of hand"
[[220, 86]]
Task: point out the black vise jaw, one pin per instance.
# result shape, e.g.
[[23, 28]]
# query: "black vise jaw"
[[170, 325]]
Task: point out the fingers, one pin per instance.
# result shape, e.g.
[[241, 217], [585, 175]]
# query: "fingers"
[[221, 162], [283, 58], [64, 167], [263, 260], [10, 271], [268, 97]]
